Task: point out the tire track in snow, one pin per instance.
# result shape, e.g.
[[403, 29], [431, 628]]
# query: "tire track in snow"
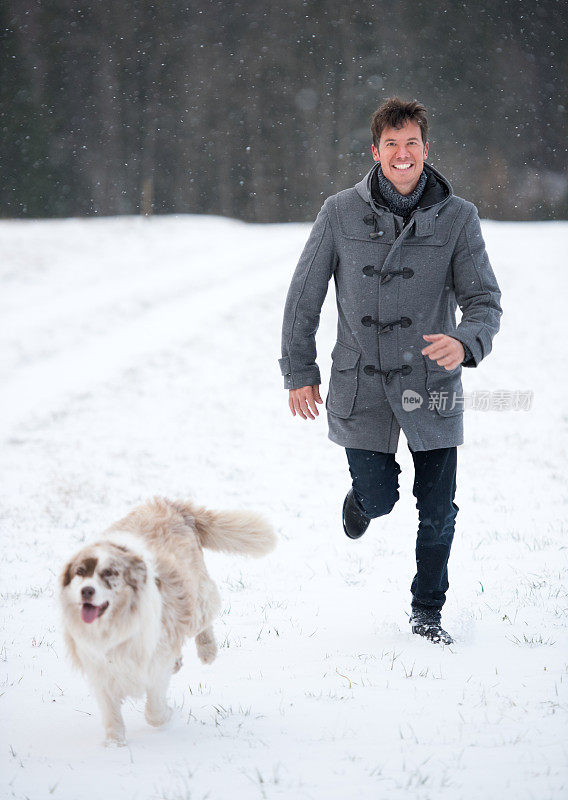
[[42, 387], [81, 303]]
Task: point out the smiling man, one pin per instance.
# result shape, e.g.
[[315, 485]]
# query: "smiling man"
[[404, 251]]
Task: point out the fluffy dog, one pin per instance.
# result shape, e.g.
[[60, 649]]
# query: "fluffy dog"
[[133, 597]]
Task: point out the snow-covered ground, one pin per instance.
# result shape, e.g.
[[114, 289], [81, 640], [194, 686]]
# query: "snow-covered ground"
[[139, 357]]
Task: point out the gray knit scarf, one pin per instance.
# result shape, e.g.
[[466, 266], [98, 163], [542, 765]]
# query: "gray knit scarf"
[[398, 203]]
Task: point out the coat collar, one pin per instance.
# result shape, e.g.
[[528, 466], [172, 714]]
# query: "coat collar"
[[437, 191]]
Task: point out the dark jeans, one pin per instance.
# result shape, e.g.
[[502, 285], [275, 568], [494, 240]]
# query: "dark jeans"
[[375, 486]]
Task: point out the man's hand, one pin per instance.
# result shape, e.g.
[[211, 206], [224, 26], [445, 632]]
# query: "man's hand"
[[444, 350], [303, 401]]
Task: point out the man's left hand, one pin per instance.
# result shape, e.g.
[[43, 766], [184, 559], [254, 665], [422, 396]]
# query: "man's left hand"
[[444, 350]]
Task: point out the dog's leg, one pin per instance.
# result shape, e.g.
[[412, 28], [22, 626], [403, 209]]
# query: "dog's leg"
[[206, 645], [112, 718], [158, 712]]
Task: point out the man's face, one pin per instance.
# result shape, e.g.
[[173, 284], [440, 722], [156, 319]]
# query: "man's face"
[[402, 156]]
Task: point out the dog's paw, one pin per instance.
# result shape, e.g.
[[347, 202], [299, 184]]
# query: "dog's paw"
[[157, 717], [206, 646], [115, 739], [208, 654]]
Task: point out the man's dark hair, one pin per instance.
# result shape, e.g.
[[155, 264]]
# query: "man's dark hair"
[[394, 113]]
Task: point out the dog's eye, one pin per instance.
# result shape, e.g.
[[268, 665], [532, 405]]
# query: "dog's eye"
[[108, 573], [80, 571]]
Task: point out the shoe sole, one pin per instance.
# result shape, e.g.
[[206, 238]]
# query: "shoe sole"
[[349, 536]]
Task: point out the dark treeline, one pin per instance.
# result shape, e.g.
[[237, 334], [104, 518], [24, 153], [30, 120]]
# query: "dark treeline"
[[259, 112]]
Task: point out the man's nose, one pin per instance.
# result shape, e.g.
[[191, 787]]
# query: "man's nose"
[[87, 592]]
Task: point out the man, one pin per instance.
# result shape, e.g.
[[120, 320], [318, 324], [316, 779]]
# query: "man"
[[403, 251]]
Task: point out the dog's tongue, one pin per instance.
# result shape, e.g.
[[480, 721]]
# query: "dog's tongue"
[[89, 612]]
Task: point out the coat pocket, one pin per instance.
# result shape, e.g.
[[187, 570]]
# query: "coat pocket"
[[444, 389], [343, 381]]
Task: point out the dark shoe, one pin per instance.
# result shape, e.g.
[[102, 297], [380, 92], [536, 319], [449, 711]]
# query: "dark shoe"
[[355, 522], [427, 624]]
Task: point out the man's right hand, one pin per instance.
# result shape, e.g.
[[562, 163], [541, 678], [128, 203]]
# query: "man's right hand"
[[303, 401]]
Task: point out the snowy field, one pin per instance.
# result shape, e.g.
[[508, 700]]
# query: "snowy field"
[[139, 357]]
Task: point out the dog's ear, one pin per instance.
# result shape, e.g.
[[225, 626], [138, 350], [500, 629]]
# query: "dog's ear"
[[135, 571], [67, 575]]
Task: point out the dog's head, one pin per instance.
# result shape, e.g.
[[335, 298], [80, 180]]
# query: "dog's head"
[[102, 581]]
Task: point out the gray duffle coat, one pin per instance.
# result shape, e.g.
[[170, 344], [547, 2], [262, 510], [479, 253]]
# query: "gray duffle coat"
[[391, 289]]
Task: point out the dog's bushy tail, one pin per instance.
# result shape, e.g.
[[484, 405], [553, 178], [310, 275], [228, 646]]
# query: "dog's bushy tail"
[[229, 531]]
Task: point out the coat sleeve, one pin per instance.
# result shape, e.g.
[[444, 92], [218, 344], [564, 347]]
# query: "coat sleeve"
[[477, 292], [303, 306]]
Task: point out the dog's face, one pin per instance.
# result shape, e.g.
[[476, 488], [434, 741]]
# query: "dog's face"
[[100, 582]]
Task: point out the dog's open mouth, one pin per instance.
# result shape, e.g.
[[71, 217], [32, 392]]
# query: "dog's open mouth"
[[90, 613]]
